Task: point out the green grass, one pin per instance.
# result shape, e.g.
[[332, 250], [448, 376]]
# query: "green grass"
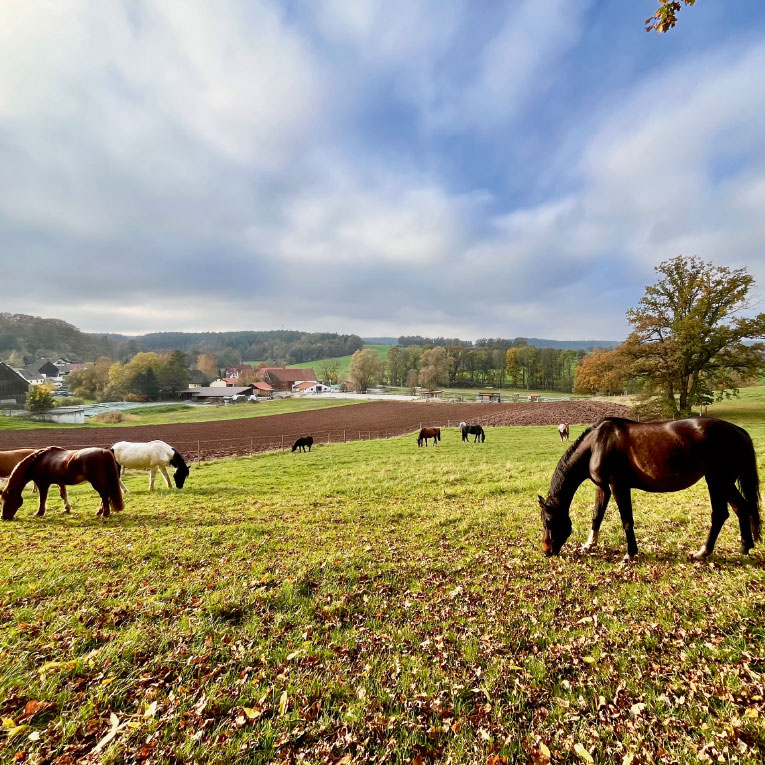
[[378, 601], [343, 362], [177, 413]]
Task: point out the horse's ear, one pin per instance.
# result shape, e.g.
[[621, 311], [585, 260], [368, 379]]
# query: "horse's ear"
[[541, 501]]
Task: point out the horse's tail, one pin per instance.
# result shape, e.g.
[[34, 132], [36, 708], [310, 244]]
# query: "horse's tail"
[[483, 436], [749, 485], [114, 490], [119, 467]]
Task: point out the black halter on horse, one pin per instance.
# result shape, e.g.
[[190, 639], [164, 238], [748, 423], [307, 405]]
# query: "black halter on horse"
[[619, 455]]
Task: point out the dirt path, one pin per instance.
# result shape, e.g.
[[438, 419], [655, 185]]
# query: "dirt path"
[[377, 419]]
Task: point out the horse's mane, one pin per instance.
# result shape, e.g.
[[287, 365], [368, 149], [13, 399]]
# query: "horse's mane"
[[23, 467], [565, 461]]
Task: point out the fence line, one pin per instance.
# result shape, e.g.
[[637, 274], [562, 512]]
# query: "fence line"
[[277, 442]]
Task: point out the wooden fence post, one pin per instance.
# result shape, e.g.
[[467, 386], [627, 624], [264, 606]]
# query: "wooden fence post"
[[198, 450], [282, 441]]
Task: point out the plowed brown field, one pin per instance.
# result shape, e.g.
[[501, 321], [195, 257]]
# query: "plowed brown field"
[[376, 419]]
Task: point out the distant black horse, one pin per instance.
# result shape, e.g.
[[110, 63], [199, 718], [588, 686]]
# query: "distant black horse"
[[301, 444], [619, 455], [426, 433], [472, 430]]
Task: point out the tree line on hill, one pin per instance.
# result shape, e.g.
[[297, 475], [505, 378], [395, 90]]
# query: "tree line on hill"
[[22, 336], [277, 347]]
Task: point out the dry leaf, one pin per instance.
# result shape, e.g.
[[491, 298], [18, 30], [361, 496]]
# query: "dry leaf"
[[283, 702], [583, 753]]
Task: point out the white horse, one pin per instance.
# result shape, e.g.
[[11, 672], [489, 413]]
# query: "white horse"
[[153, 456]]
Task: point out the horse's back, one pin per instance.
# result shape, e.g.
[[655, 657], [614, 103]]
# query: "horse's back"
[[142, 454], [9, 460], [669, 455]]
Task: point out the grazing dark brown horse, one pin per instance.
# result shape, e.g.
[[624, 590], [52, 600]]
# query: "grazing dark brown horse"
[[301, 443], [619, 455], [563, 431], [9, 460], [426, 433], [56, 465]]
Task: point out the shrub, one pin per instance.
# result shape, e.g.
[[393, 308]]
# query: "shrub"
[[39, 398], [110, 418]]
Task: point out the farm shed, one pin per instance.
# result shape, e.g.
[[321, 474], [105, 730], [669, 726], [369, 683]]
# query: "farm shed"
[[262, 390], [282, 378], [13, 387], [215, 393], [310, 386], [62, 415], [488, 397]]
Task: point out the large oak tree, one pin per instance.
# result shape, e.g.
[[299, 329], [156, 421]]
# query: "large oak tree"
[[689, 328]]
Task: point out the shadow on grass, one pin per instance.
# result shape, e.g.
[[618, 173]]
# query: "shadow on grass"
[[722, 560]]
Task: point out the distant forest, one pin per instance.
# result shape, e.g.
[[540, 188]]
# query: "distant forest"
[[498, 343], [22, 335], [277, 346]]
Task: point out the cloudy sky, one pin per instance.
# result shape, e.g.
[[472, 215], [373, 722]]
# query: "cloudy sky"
[[382, 167]]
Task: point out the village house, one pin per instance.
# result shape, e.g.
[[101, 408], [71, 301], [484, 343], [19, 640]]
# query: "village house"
[[239, 370]]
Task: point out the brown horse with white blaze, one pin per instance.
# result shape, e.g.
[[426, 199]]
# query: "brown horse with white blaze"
[[619, 455], [56, 465]]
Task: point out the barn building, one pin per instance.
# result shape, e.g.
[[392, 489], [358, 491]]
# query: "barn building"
[[283, 378], [13, 387]]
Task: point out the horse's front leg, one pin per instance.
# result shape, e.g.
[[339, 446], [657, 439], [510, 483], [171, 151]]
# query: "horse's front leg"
[[62, 494], [43, 489], [152, 476], [623, 498], [719, 498], [602, 495], [163, 470]]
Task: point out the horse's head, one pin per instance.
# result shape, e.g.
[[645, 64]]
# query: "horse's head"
[[11, 503], [182, 469], [556, 524], [180, 476]]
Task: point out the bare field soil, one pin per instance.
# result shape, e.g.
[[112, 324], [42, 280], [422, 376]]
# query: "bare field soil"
[[377, 419]]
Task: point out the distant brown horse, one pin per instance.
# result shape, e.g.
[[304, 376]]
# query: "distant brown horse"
[[56, 465], [619, 455], [563, 431], [9, 460], [426, 433]]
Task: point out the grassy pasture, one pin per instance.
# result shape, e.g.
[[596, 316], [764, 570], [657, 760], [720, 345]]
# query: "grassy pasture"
[[377, 602]]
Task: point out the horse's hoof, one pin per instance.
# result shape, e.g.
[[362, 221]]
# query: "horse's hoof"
[[699, 556], [629, 559], [38, 514], [745, 549], [586, 548]]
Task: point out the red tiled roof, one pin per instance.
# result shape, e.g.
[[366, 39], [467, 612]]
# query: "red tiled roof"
[[289, 375], [262, 386]]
